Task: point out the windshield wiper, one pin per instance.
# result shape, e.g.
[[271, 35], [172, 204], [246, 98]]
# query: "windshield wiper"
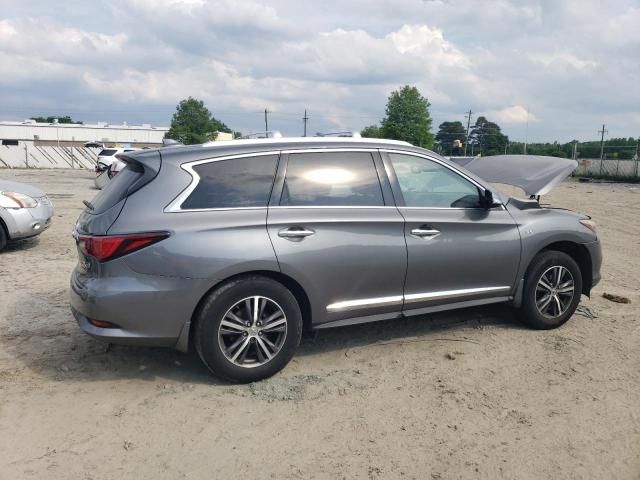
[[88, 205]]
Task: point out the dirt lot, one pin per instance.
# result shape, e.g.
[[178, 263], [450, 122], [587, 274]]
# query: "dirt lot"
[[469, 394]]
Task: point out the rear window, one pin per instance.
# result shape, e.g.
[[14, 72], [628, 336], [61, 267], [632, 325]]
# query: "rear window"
[[116, 189], [238, 182], [107, 152]]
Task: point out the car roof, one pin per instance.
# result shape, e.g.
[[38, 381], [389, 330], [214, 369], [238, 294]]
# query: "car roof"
[[181, 154], [188, 153]]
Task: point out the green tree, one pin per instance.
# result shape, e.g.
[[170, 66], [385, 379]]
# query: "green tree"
[[372, 131], [447, 133], [61, 119], [193, 123], [407, 117], [488, 138]]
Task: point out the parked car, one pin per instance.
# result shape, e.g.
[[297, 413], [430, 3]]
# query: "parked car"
[[25, 211], [232, 249], [107, 158], [108, 155]]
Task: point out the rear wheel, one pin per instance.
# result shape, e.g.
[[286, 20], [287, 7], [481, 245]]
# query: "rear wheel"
[[248, 329], [552, 290]]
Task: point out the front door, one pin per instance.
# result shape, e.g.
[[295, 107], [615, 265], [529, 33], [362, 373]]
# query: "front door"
[[457, 251], [335, 230]]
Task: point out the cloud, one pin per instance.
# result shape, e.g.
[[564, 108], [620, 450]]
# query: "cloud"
[[574, 63], [562, 60], [513, 114]]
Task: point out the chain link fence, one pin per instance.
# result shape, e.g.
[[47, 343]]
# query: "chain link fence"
[[28, 155], [608, 168]]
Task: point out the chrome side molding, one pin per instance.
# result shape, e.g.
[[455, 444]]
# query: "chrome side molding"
[[412, 297], [416, 297], [363, 302]]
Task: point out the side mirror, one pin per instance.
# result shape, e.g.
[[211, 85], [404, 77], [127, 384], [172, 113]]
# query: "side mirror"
[[486, 199]]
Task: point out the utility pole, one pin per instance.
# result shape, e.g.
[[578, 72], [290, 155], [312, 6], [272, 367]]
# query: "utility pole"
[[603, 131], [305, 119], [526, 132], [266, 124], [468, 117], [636, 156]]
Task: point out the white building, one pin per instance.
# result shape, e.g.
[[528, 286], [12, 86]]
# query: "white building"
[[76, 134]]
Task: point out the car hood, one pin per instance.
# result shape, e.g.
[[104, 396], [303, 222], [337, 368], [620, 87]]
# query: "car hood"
[[536, 175], [9, 186]]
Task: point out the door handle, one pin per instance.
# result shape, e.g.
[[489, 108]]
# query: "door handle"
[[425, 232], [294, 232]]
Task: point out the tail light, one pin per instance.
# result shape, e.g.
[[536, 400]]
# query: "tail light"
[[105, 248]]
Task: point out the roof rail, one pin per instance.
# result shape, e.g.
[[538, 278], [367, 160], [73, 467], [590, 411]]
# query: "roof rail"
[[351, 134], [265, 134], [299, 140]]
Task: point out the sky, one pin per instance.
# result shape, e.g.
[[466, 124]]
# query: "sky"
[[544, 70]]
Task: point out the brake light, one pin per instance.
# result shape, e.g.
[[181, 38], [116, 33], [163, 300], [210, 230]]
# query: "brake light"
[[106, 248]]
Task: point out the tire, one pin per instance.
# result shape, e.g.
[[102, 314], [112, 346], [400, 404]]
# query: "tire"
[[248, 362], [3, 237], [547, 303]]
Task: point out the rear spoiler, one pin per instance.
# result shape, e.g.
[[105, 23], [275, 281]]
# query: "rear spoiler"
[[147, 162], [536, 175]]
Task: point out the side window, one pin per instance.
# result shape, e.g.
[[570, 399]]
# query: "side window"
[[425, 183], [331, 179], [237, 182]]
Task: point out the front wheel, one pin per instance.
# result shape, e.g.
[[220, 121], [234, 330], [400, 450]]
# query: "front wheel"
[[552, 290], [3, 238], [248, 329]]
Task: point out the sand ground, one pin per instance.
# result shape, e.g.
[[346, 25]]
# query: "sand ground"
[[467, 394]]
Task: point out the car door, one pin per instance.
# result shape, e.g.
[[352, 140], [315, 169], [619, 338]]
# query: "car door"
[[335, 231], [457, 250]]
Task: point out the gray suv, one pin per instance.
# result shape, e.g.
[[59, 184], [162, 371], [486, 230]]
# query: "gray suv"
[[234, 248]]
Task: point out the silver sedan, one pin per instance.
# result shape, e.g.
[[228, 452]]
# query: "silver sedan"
[[25, 211]]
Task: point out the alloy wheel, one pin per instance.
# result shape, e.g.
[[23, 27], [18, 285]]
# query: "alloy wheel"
[[252, 331], [554, 291]]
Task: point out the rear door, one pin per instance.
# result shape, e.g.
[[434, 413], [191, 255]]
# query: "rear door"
[[335, 230], [457, 250]]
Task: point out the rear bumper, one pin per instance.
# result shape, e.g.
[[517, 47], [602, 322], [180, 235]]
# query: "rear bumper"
[[149, 310], [118, 335]]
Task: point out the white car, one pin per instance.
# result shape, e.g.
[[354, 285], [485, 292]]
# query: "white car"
[[108, 155], [107, 158]]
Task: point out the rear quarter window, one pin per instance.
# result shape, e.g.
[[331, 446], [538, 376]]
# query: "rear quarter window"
[[233, 183], [107, 152], [116, 189]]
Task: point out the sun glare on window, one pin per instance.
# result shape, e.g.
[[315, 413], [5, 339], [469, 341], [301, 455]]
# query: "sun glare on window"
[[329, 176]]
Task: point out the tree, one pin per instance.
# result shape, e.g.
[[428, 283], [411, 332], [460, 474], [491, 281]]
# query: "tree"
[[372, 131], [448, 132], [407, 117], [193, 123], [488, 138], [61, 119]]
